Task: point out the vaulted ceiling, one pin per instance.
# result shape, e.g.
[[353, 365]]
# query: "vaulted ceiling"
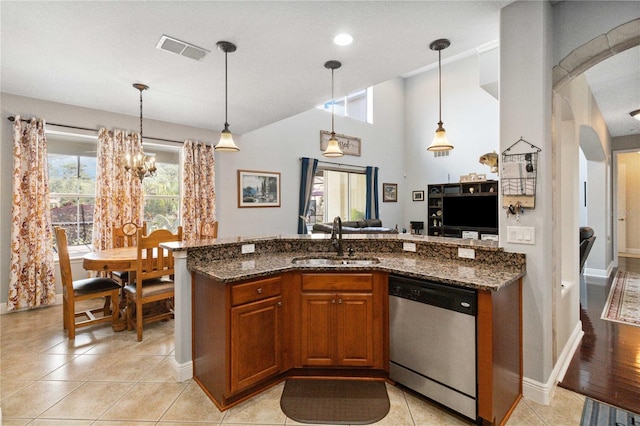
[[89, 53]]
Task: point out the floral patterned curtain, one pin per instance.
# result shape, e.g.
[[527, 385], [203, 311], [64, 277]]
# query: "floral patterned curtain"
[[198, 188], [119, 197], [31, 274]]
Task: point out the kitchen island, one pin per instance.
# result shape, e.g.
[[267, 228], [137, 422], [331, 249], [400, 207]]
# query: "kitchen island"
[[263, 290]]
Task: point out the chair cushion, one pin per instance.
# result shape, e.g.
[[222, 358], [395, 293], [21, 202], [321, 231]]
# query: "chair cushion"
[[152, 287], [94, 285]]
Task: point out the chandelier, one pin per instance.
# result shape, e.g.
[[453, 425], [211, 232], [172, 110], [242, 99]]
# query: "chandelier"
[[140, 164]]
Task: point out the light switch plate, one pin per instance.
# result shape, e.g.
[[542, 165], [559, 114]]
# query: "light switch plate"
[[409, 247], [521, 235], [248, 248], [467, 253]]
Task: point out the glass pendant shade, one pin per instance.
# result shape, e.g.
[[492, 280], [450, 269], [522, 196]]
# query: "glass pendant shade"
[[226, 142], [333, 148], [440, 141], [635, 114]]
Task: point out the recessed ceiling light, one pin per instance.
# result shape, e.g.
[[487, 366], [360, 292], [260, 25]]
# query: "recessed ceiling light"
[[343, 39]]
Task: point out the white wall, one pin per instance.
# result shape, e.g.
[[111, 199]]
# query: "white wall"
[[279, 146], [470, 117]]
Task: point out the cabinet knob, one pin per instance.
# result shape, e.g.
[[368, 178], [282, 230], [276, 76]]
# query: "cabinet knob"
[[333, 300], [279, 303], [339, 300], [259, 290]]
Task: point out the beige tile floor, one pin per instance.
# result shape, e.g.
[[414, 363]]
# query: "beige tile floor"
[[106, 378]]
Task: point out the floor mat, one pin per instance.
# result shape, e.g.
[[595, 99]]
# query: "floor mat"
[[624, 299], [597, 413], [330, 401]]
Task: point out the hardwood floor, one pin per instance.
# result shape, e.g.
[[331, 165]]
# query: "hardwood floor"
[[606, 366]]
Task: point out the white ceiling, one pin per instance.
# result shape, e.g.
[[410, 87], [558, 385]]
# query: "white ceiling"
[[90, 53]]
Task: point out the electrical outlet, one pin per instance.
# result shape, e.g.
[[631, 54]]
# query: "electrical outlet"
[[248, 248], [466, 253], [409, 247]]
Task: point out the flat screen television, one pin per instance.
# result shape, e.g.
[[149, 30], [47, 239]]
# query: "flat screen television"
[[471, 211]]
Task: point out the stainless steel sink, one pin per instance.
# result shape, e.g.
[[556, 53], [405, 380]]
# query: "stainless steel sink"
[[333, 261]]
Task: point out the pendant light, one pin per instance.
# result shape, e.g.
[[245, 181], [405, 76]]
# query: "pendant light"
[[333, 148], [140, 165], [226, 138], [440, 142], [635, 114]]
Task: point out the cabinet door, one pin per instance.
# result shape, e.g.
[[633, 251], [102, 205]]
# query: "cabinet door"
[[355, 338], [317, 340], [256, 342]]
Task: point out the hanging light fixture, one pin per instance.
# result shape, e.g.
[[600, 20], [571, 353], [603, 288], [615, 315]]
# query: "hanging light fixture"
[[333, 148], [226, 138], [635, 114], [140, 165], [440, 142]]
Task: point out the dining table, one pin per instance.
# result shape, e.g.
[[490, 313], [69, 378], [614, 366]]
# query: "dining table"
[[114, 259]]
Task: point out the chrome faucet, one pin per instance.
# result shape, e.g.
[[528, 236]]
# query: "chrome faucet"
[[336, 235]]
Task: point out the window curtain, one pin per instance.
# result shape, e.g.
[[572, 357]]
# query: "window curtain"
[[119, 197], [309, 167], [198, 188], [31, 272], [371, 209]]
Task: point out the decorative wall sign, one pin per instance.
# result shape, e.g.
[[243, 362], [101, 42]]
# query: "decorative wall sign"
[[349, 145], [258, 189], [389, 192]]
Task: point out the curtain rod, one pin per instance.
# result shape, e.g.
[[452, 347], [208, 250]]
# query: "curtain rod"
[[340, 164], [12, 119]]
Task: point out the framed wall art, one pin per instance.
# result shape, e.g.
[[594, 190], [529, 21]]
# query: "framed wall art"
[[417, 195], [258, 189], [389, 192]]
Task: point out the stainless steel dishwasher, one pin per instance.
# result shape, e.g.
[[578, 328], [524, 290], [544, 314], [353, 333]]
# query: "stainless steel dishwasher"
[[432, 341]]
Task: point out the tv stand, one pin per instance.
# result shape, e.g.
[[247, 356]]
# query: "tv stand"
[[468, 195]]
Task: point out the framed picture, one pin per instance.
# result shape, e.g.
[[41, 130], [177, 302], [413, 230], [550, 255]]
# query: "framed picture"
[[417, 195], [350, 145], [389, 192], [258, 189]]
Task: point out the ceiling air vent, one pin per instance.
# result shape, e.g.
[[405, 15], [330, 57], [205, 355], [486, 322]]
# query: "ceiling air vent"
[[174, 45]]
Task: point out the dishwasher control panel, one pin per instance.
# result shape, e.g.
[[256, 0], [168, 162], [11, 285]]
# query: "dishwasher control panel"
[[444, 296]]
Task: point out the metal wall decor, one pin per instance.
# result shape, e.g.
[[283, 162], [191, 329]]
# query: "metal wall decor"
[[519, 170]]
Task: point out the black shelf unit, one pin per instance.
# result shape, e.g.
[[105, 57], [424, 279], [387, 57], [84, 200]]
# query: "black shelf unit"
[[464, 190]]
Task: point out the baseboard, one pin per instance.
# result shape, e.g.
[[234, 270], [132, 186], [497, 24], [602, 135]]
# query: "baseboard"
[[3, 307], [184, 371], [542, 393], [599, 276]]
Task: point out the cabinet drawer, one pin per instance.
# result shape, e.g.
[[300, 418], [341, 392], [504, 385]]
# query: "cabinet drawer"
[[256, 290], [340, 282]]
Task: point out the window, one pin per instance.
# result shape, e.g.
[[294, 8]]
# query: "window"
[[337, 193], [72, 180], [357, 105], [162, 192]]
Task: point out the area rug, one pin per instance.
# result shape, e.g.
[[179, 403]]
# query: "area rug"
[[597, 413], [338, 402], [623, 303]]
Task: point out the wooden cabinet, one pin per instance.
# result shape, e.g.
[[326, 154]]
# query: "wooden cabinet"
[[238, 334], [256, 332], [339, 322]]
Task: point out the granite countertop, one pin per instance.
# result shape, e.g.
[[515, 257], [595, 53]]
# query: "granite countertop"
[[482, 276]]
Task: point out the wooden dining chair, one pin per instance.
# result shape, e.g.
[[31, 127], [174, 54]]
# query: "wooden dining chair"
[[84, 289], [209, 230], [125, 236], [153, 280]]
